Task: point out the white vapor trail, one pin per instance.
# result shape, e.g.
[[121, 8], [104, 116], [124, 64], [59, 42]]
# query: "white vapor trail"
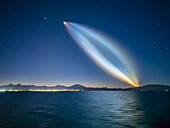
[[105, 52]]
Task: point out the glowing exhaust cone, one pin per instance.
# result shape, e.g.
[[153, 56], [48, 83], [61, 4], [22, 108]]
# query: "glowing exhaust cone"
[[105, 52]]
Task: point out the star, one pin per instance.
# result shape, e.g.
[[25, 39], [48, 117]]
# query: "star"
[[154, 42], [45, 18], [163, 33], [13, 14], [167, 48]]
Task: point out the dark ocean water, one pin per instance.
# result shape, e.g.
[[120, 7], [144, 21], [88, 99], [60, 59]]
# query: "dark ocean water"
[[91, 109]]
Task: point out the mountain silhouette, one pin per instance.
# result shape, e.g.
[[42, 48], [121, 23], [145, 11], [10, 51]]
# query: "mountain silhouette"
[[149, 87], [77, 86], [33, 87]]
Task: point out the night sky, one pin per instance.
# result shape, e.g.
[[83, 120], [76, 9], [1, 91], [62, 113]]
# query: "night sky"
[[35, 47]]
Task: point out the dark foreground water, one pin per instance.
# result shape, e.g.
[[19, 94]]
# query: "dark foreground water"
[[93, 109]]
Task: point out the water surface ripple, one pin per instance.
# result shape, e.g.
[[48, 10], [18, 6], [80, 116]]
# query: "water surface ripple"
[[88, 109]]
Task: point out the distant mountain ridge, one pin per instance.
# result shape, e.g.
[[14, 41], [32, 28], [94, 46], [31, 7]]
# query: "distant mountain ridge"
[[149, 87], [153, 87], [33, 87], [77, 86]]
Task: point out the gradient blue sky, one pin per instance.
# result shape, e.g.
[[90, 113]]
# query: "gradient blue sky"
[[36, 49]]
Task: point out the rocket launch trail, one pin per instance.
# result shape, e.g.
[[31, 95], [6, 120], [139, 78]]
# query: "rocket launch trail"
[[105, 52]]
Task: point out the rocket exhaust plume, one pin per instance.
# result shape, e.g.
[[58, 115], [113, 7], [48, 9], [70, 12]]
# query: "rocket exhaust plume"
[[105, 52]]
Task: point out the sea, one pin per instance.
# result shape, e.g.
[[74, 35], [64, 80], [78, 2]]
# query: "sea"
[[85, 109]]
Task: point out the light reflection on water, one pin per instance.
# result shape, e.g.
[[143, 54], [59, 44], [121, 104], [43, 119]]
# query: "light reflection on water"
[[100, 109]]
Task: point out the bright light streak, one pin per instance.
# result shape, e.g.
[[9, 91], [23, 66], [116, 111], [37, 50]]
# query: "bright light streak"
[[105, 52]]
